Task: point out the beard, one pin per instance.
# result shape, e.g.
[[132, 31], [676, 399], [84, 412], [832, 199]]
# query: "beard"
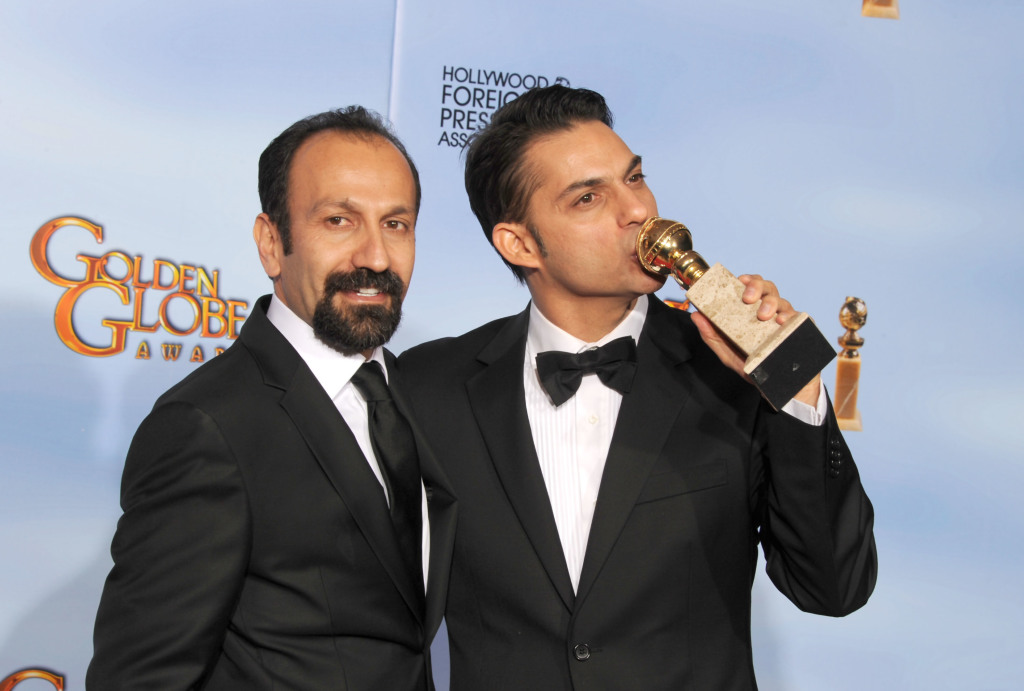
[[355, 329]]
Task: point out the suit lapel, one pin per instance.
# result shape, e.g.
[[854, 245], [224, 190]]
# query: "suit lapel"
[[441, 511], [332, 445], [498, 402], [336, 450], [645, 419]]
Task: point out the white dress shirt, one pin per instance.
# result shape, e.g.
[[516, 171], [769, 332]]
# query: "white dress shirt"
[[572, 440], [334, 371]]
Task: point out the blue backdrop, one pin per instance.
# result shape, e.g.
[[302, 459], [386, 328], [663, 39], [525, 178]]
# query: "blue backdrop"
[[835, 154]]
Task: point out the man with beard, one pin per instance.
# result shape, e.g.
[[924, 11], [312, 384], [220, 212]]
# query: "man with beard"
[[276, 532]]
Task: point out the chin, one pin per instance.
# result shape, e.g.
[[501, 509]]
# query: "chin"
[[650, 284]]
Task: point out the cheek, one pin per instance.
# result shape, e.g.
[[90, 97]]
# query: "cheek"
[[403, 255], [405, 274]]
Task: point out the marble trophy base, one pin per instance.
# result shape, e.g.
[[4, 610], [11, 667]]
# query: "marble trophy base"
[[845, 404], [780, 359]]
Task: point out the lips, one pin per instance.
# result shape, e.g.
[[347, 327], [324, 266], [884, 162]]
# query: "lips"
[[364, 283]]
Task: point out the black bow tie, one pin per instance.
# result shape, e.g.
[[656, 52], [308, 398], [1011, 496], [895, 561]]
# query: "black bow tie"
[[561, 373]]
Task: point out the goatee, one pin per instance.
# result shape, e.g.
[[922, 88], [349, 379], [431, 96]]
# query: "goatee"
[[357, 328]]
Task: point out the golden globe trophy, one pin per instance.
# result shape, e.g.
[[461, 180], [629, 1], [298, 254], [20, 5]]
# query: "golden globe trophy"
[[853, 315], [780, 358]]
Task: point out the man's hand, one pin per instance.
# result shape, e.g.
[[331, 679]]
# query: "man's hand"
[[773, 306]]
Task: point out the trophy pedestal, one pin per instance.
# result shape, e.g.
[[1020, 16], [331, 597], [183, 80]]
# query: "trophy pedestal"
[[851, 424], [853, 315], [780, 359], [847, 379]]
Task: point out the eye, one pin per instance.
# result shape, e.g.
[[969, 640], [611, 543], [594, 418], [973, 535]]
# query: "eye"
[[587, 198], [336, 220], [636, 177], [395, 224]]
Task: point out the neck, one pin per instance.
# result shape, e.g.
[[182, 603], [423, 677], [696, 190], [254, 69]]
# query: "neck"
[[588, 319]]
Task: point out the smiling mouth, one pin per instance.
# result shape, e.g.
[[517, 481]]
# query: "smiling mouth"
[[363, 286]]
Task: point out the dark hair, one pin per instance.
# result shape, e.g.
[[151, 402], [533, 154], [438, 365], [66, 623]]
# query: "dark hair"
[[496, 179], [276, 159]]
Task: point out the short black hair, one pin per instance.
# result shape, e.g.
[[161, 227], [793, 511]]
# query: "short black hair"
[[276, 159], [496, 181]]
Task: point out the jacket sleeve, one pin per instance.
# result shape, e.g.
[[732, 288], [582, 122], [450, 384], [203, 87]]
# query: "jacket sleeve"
[[815, 520], [180, 553]]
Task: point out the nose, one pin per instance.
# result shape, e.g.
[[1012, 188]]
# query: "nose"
[[372, 252], [636, 206]]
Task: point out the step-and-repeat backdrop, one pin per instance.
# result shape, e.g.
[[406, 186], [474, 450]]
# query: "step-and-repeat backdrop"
[[835, 154]]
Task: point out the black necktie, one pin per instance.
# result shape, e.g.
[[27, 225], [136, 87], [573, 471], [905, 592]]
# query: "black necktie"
[[561, 373], [395, 448]]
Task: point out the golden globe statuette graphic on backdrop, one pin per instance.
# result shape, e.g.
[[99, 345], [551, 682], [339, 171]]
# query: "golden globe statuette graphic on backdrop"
[[852, 315], [55, 680], [780, 358]]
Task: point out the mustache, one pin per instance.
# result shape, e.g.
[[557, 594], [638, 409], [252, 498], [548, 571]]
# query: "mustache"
[[386, 281]]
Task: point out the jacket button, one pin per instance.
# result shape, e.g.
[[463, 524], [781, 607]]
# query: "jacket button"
[[582, 652]]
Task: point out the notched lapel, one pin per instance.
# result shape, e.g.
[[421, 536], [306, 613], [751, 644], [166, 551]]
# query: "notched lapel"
[[336, 450], [648, 412], [442, 510], [498, 402]]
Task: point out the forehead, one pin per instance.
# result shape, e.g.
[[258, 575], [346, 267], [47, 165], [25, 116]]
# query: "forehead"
[[332, 158], [587, 150]]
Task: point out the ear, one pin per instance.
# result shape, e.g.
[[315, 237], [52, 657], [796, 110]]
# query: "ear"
[[516, 244], [268, 244]]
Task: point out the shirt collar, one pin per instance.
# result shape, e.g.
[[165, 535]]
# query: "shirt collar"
[[542, 335], [332, 369]]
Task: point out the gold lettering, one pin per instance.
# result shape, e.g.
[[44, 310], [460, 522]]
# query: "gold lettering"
[[197, 354], [170, 351], [188, 273], [105, 276], [216, 317], [165, 318], [63, 315], [37, 248], [136, 271], [137, 324], [210, 314], [233, 317], [158, 269], [206, 282]]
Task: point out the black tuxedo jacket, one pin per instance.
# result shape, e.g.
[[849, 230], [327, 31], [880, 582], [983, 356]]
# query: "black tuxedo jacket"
[[699, 472], [255, 550]]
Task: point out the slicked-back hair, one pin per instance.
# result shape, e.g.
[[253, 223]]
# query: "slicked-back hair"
[[497, 181], [276, 159]]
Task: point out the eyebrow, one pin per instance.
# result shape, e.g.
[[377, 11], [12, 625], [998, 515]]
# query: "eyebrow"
[[592, 182], [325, 204], [346, 205]]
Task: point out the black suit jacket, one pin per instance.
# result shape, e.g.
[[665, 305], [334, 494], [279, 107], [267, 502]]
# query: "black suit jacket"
[[699, 472], [255, 550]]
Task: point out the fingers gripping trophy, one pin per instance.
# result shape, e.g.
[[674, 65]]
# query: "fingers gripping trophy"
[[780, 358]]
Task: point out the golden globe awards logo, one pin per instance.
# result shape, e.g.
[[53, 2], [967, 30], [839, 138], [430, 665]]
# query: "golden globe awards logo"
[[174, 288], [470, 95]]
